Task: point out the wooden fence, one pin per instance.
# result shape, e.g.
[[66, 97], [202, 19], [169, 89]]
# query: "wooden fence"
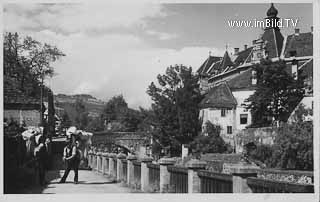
[[212, 182], [154, 176], [178, 179]]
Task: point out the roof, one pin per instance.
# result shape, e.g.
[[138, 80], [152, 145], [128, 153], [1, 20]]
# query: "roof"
[[14, 98], [302, 44], [241, 81], [273, 42], [243, 56], [219, 96], [207, 64], [220, 66]]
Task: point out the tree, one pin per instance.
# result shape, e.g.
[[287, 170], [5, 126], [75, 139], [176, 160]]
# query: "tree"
[[209, 141], [276, 95], [81, 119], [175, 106], [65, 120], [28, 61], [293, 145]]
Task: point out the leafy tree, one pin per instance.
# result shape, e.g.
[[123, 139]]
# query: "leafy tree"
[[175, 106], [119, 116], [277, 93], [28, 61], [65, 120], [293, 145], [81, 119], [209, 141]]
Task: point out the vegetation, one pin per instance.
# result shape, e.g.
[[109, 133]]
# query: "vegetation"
[[28, 61], [210, 141], [175, 108], [276, 95], [293, 146]]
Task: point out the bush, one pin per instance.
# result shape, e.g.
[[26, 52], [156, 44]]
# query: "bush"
[[209, 141]]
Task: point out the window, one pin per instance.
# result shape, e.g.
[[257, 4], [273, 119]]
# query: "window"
[[223, 112], [243, 118], [229, 129]]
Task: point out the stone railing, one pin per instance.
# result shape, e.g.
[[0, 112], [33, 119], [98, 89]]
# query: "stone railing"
[[164, 177]]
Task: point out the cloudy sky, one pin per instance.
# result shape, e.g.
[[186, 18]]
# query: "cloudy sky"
[[120, 48]]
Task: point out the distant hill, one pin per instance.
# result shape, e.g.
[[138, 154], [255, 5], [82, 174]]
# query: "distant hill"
[[66, 102]]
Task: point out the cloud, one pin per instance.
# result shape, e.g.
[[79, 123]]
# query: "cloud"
[[71, 18], [161, 35], [107, 64]]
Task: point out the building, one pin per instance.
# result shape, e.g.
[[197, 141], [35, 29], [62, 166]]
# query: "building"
[[229, 80], [18, 106]]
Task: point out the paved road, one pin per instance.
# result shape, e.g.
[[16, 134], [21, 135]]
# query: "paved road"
[[89, 182]]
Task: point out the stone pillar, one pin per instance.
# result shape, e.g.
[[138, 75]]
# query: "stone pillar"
[[145, 185], [111, 165], [130, 169], [89, 159], [104, 162], [240, 172], [98, 160], [120, 157], [194, 183], [165, 174]]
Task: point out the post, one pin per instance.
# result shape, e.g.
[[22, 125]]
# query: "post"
[[99, 162], [104, 162], [119, 166], [240, 172], [165, 174], [111, 165], [145, 184], [130, 169], [194, 183]]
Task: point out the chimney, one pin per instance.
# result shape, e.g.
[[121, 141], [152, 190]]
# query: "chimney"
[[312, 29], [296, 31], [245, 47], [236, 51]]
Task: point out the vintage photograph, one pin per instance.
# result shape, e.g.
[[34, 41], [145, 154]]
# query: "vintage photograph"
[[158, 98]]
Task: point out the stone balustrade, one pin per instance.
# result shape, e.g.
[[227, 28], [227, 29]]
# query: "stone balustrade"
[[240, 178]]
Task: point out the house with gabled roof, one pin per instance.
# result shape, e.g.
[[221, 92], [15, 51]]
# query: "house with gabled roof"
[[237, 76]]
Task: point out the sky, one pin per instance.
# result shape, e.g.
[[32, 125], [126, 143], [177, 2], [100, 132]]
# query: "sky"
[[115, 48]]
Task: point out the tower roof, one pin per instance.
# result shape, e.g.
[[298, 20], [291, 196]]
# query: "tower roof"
[[272, 12]]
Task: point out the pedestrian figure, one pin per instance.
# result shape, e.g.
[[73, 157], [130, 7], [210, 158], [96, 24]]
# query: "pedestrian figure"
[[71, 156], [40, 153]]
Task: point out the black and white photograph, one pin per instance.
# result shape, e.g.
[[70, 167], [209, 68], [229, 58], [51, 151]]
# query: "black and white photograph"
[[159, 98]]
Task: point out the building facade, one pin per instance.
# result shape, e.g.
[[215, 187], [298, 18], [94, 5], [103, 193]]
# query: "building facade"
[[229, 80]]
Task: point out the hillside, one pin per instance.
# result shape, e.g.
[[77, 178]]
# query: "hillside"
[[66, 102]]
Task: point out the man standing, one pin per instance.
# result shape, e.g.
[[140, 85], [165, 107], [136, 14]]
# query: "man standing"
[[72, 159]]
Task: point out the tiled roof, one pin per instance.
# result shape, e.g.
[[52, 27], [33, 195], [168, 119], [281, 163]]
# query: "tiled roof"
[[221, 65], [219, 96], [243, 56], [302, 44], [207, 64], [13, 96], [273, 40], [241, 81]]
